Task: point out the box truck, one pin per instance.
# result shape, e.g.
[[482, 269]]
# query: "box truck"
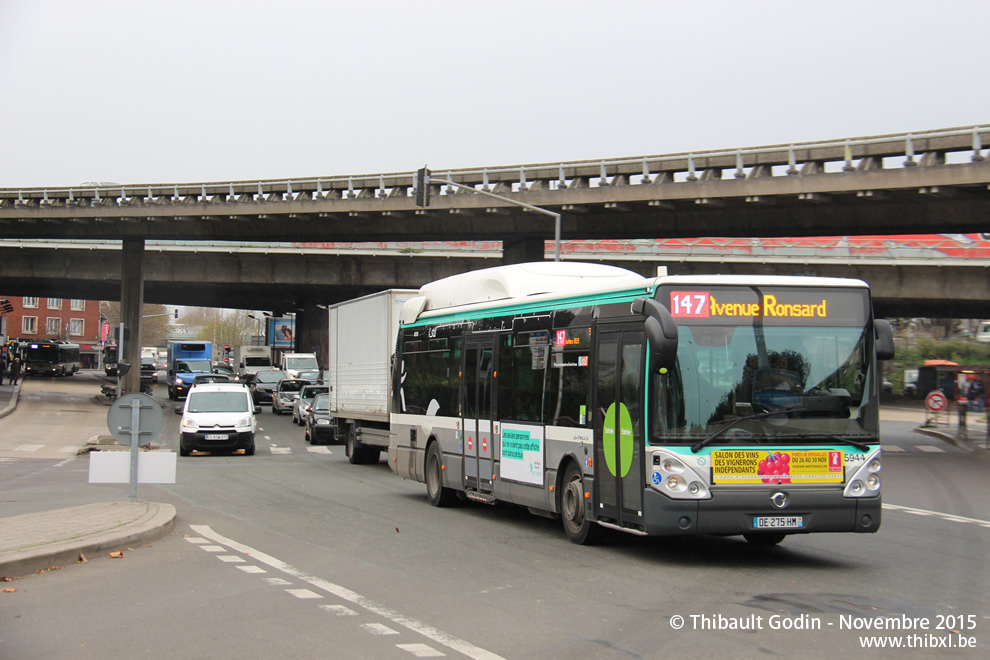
[[252, 359], [186, 360], [362, 342]]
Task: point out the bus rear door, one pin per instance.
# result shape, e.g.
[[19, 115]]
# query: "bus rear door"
[[476, 414]]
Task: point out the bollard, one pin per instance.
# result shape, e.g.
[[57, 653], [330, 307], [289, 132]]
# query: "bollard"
[[962, 414]]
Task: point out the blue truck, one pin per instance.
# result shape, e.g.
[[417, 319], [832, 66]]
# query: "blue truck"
[[186, 360]]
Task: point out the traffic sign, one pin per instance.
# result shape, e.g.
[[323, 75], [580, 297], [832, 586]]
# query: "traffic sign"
[[150, 418], [936, 401]]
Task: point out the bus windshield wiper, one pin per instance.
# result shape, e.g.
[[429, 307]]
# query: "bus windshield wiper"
[[766, 413]]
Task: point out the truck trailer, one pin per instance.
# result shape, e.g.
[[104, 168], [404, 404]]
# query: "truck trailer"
[[362, 342]]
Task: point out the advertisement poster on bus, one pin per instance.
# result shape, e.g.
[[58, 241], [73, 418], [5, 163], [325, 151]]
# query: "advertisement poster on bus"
[[282, 331], [522, 453], [780, 467]]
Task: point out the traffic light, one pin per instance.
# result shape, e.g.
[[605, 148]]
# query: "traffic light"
[[226, 349], [423, 187]]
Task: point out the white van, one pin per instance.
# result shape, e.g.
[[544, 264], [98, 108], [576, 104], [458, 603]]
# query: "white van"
[[218, 418], [983, 332], [293, 363]]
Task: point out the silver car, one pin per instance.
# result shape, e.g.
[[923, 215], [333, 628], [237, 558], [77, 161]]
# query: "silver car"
[[306, 395], [285, 394]]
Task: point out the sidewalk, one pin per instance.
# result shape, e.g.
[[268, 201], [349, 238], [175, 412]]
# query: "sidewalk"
[[35, 541]]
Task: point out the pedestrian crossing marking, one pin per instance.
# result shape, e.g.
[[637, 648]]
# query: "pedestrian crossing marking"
[[319, 450], [28, 448], [303, 593], [231, 559], [891, 448], [931, 449], [281, 450]]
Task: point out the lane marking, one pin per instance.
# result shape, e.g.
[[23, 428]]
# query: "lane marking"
[[891, 448], [426, 630], [339, 610], [421, 650], [28, 448], [252, 569], [319, 450], [231, 559], [944, 516], [379, 629], [303, 593]]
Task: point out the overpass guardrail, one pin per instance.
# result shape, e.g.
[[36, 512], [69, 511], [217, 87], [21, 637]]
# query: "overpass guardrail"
[[903, 150]]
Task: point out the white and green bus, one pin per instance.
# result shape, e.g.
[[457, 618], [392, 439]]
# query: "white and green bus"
[[717, 405]]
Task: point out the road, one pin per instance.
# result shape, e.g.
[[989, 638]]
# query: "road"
[[294, 552]]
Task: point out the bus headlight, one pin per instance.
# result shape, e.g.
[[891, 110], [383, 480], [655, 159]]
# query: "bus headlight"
[[675, 478]]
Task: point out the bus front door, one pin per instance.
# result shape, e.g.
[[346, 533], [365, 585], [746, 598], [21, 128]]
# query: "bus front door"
[[618, 467], [476, 420]]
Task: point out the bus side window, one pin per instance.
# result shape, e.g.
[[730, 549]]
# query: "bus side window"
[[521, 375], [568, 389]]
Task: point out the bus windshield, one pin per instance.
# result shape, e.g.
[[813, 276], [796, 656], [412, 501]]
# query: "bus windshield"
[[754, 363]]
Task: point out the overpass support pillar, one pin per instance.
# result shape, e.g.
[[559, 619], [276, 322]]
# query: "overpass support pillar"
[[313, 332], [131, 304], [523, 251]]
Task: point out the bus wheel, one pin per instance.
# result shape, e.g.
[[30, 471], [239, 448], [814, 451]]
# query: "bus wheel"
[[435, 490], [764, 539], [579, 529]]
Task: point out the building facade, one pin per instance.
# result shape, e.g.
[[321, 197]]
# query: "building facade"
[[49, 319]]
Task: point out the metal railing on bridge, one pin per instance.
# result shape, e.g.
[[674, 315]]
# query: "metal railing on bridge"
[[905, 150]]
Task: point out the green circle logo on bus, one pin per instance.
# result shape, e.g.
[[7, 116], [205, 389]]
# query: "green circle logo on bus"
[[618, 420]]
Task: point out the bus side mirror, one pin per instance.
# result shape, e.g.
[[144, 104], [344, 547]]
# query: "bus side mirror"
[[884, 339], [661, 331]]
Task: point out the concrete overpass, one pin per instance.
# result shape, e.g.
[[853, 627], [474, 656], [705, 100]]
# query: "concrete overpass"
[[926, 182], [296, 279]]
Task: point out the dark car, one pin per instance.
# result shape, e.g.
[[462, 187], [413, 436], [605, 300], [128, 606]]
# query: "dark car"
[[319, 426], [311, 376], [149, 371], [264, 384], [285, 394], [225, 369]]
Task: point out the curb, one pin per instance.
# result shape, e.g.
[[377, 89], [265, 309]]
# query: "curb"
[[13, 402], [156, 521]]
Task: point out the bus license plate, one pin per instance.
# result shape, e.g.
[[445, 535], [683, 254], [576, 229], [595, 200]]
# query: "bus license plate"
[[778, 522], [216, 436]]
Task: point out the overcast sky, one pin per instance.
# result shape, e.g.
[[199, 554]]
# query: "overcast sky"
[[180, 91]]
